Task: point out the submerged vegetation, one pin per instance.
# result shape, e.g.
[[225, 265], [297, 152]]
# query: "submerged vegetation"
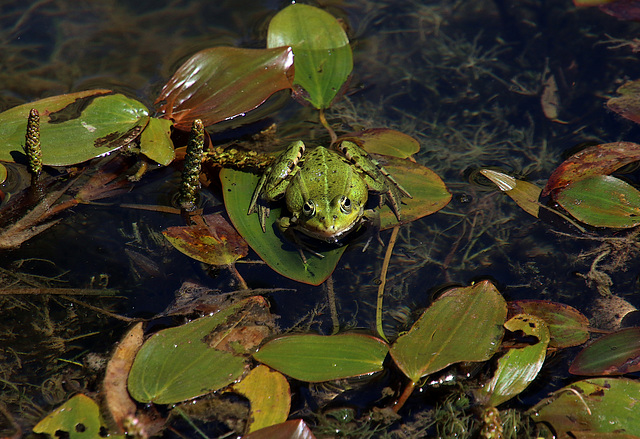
[[456, 100]]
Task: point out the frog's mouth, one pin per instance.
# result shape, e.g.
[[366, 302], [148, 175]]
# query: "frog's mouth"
[[330, 234]]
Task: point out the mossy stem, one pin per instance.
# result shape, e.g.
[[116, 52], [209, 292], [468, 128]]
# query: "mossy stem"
[[190, 184]]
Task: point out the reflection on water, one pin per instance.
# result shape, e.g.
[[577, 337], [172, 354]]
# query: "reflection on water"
[[465, 78]]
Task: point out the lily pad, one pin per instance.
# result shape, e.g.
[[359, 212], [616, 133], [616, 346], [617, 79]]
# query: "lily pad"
[[323, 58], [74, 127], [429, 192], [212, 241], [175, 364], [78, 418], [280, 254], [567, 326], [224, 82], [599, 405], [268, 393], [441, 335], [155, 141], [525, 194], [611, 354], [519, 366], [592, 161], [316, 358], [602, 201]]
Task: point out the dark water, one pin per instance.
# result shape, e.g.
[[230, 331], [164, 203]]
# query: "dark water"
[[464, 78]]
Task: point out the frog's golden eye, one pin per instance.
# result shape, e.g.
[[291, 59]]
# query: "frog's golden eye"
[[309, 208], [345, 205]]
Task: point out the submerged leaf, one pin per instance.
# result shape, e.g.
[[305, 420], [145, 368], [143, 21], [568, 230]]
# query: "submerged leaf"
[[628, 103], [384, 141], [75, 127], [602, 201], [611, 354], [441, 335], [323, 58], [316, 358], [224, 82], [294, 429]]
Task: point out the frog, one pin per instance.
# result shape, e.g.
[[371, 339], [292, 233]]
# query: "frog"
[[325, 190]]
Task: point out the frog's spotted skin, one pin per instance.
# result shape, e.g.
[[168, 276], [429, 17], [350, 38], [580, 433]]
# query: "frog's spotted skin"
[[325, 191]]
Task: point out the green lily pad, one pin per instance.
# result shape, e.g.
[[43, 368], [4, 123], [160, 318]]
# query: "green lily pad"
[[599, 405], [224, 82], [280, 254], [519, 366], [78, 418], [567, 326], [155, 141], [429, 192], [525, 194], [441, 335], [74, 127], [602, 201], [322, 55], [175, 364], [316, 358], [3, 173], [611, 354]]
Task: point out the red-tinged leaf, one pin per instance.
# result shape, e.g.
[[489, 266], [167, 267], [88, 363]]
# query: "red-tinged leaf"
[[594, 160], [213, 242], [567, 326], [628, 10], [591, 2], [628, 103], [611, 354], [224, 82], [384, 141], [294, 429]]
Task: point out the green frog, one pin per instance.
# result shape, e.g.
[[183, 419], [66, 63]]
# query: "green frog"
[[326, 190]]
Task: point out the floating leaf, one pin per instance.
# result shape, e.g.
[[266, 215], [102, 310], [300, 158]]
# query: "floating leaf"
[[74, 127], [212, 241], [525, 194], [269, 395], [316, 358], [155, 141], [567, 326], [599, 405], [602, 201], [294, 429], [591, 2], [441, 335], [175, 364], [384, 141], [519, 366], [280, 254], [323, 58], [611, 354], [594, 160], [622, 9], [78, 418], [429, 192], [224, 82]]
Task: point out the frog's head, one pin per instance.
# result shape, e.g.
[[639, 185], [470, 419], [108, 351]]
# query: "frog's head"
[[331, 220]]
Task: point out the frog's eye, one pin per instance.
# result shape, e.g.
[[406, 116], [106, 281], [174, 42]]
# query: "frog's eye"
[[345, 205], [309, 208]]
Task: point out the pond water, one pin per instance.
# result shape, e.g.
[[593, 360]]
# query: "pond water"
[[464, 78]]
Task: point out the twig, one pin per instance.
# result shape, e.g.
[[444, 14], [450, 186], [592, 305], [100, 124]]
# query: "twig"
[[383, 281]]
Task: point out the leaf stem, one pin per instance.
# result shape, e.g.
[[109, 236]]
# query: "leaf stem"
[[323, 121], [383, 281]]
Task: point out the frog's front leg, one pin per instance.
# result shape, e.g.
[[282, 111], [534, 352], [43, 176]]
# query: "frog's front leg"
[[274, 182]]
